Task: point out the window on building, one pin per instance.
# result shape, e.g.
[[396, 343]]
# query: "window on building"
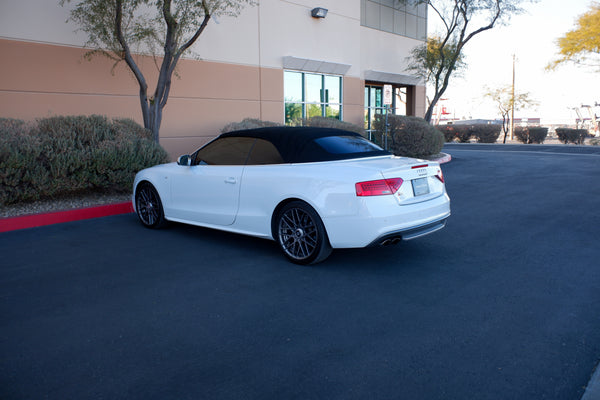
[[308, 95], [374, 106], [406, 18]]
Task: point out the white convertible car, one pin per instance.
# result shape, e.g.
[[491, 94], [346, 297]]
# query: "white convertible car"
[[309, 189]]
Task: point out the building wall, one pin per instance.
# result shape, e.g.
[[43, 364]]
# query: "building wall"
[[235, 69]]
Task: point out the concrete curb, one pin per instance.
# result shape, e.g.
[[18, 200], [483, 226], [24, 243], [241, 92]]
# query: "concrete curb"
[[446, 158], [36, 220]]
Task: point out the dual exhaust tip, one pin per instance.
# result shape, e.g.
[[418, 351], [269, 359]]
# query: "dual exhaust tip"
[[391, 241]]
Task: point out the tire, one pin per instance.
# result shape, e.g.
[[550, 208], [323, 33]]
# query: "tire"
[[148, 206], [301, 234]]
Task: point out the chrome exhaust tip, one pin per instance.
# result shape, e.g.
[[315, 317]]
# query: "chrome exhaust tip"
[[391, 241]]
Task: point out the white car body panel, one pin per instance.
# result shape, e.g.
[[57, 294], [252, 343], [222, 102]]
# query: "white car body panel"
[[243, 199], [189, 189]]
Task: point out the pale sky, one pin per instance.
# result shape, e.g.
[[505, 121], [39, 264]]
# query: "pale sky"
[[532, 38]]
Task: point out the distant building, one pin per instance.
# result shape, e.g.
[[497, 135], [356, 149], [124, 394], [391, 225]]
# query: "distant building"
[[527, 121], [476, 121], [274, 62], [518, 121]]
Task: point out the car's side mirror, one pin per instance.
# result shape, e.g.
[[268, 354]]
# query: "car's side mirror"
[[184, 160]]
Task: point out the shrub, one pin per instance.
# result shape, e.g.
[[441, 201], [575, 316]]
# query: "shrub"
[[448, 131], [328, 122], [411, 136], [247, 123], [569, 135], [521, 134], [319, 122], [12, 127], [20, 172], [486, 133], [532, 134], [128, 128], [538, 134], [595, 142], [464, 133], [61, 156]]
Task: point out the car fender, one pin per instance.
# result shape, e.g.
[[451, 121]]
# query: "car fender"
[[158, 176]]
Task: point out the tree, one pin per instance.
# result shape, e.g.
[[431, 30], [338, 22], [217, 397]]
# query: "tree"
[[582, 44], [457, 18], [505, 102], [425, 59], [116, 27]]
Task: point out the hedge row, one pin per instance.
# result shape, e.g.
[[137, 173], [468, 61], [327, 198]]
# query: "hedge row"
[[568, 135], [531, 134], [484, 133], [61, 156]]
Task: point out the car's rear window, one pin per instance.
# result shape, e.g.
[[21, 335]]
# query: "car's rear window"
[[338, 147], [346, 144]]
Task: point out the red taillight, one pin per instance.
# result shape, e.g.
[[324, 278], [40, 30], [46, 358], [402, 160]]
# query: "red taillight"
[[440, 175], [379, 187]]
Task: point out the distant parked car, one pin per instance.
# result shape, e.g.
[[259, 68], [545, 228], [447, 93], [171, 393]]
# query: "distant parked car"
[[309, 189]]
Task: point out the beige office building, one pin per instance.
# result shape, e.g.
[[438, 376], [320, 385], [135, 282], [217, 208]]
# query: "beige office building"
[[274, 62]]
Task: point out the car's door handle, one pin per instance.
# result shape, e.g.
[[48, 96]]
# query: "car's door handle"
[[231, 180]]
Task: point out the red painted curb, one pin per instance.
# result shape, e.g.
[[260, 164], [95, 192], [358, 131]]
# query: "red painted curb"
[[445, 159], [32, 221]]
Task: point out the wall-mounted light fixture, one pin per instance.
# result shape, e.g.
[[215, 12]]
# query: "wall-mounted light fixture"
[[318, 12]]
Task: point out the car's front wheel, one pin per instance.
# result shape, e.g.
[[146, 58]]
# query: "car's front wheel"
[[148, 206], [301, 234]]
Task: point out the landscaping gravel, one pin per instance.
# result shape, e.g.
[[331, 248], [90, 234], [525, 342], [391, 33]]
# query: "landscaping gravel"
[[62, 204]]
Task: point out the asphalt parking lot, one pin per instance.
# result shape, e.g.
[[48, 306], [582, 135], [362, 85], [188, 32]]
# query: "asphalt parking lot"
[[504, 303]]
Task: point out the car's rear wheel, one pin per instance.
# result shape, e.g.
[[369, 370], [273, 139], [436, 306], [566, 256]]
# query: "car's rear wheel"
[[148, 206], [301, 234]]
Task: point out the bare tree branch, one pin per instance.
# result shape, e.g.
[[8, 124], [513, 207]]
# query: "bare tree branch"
[[457, 32]]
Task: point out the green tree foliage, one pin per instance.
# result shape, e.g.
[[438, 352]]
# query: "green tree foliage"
[[505, 101], [118, 28], [426, 60], [582, 44], [461, 21]]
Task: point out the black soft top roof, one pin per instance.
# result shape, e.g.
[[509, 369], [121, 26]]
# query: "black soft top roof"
[[297, 144]]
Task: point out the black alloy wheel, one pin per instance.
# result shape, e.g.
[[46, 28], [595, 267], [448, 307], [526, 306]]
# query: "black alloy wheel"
[[148, 206], [301, 234]]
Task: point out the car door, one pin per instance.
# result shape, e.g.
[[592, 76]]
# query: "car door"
[[208, 191]]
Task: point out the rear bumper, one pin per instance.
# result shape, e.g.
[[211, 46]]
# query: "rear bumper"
[[412, 233], [379, 219]]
